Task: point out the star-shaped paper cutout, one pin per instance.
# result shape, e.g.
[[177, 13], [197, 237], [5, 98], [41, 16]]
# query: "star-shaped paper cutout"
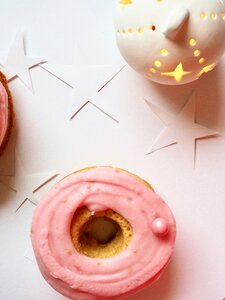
[[17, 63], [86, 82], [178, 73], [206, 69], [180, 129], [26, 184], [29, 253], [125, 2]]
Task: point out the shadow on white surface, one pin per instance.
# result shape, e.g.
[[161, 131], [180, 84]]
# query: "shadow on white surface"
[[210, 97], [161, 289], [208, 94]]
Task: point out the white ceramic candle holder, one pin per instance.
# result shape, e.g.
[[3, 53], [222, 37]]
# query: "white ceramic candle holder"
[[171, 41]]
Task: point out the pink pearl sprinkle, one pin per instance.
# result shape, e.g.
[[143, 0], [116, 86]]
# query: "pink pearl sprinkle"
[[160, 227]]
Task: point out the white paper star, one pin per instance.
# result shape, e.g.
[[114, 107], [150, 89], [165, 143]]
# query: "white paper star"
[[180, 129], [29, 253], [86, 81], [17, 63], [26, 184]]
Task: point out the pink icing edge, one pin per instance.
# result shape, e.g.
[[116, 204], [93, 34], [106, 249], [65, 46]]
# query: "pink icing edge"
[[4, 114], [62, 286]]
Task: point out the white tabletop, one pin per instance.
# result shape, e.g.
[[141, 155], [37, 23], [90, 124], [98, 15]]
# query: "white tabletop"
[[116, 128]]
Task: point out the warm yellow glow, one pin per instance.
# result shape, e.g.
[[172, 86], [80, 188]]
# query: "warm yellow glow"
[[148, 75], [125, 2], [202, 16], [192, 42], [213, 15], [158, 63], [197, 52], [152, 70], [206, 69], [130, 30], [178, 73], [201, 60], [223, 16], [140, 30], [209, 68], [164, 52]]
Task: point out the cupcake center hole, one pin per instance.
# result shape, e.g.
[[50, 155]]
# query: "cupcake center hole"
[[102, 235], [101, 229]]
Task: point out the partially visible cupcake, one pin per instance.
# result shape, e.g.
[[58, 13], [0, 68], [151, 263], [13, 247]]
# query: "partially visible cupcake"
[[6, 112], [102, 233]]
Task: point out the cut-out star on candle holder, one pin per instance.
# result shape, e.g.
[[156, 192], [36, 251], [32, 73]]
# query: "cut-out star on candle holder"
[[178, 73], [17, 63], [181, 129], [25, 185], [86, 82], [125, 2]]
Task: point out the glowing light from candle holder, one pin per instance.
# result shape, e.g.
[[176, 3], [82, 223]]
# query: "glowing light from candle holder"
[[178, 73]]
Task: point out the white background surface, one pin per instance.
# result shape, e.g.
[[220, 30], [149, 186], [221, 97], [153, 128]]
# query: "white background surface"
[[47, 140]]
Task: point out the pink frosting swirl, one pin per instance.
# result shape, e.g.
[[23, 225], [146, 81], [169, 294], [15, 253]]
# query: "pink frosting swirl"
[[3, 113], [84, 278]]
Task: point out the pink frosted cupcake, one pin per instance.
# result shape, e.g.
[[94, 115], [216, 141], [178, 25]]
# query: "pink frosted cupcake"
[[102, 233], [6, 112]]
